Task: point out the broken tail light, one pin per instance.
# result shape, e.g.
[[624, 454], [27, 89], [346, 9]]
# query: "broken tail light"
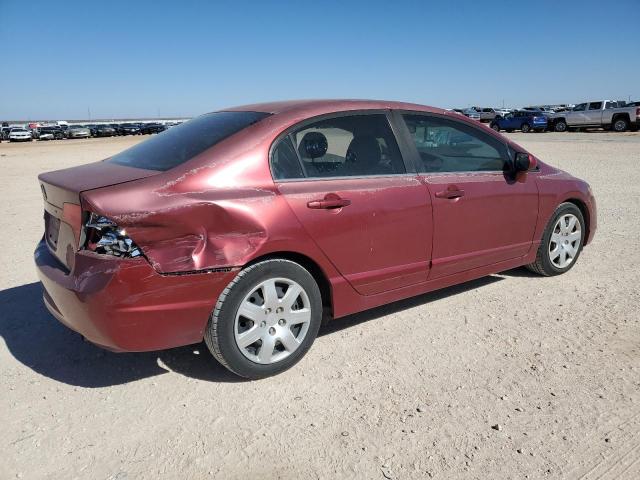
[[103, 236]]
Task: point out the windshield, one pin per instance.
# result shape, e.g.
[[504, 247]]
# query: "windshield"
[[179, 144]]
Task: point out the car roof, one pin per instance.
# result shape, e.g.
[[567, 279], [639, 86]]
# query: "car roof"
[[320, 107]]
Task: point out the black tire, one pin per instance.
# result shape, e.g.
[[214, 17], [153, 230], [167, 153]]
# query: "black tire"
[[525, 128], [543, 264], [509, 130], [219, 334], [495, 126], [620, 125], [560, 126]]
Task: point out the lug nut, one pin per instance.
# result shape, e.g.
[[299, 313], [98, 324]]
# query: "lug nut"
[[268, 310], [279, 310], [282, 322], [272, 331], [263, 324]]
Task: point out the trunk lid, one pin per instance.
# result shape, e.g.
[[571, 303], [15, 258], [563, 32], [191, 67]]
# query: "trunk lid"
[[61, 191]]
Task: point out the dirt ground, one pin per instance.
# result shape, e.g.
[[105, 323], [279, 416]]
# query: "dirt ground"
[[408, 391]]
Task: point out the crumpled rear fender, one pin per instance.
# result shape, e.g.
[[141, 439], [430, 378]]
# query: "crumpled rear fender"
[[196, 231]]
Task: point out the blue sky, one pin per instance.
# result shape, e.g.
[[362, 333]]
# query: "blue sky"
[[174, 58]]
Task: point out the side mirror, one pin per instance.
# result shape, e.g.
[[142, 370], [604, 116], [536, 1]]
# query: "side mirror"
[[524, 162]]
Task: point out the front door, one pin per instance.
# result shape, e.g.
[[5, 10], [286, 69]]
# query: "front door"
[[354, 197], [481, 215], [577, 116]]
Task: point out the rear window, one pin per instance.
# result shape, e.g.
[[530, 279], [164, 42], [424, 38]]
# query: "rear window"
[[183, 142]]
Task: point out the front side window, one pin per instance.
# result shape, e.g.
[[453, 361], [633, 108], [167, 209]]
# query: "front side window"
[[346, 146], [580, 108], [449, 146], [180, 144]]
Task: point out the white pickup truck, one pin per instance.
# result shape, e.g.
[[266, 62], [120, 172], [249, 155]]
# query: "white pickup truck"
[[603, 113]]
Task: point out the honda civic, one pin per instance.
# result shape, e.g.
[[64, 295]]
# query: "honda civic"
[[250, 226]]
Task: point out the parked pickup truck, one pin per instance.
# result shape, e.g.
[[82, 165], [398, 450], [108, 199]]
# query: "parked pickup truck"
[[604, 113]]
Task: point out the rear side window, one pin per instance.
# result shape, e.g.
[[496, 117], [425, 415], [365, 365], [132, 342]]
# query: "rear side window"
[[179, 144], [284, 161], [595, 106], [346, 146], [449, 146]]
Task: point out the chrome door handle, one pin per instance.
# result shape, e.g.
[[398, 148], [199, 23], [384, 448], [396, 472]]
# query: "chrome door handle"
[[329, 201]]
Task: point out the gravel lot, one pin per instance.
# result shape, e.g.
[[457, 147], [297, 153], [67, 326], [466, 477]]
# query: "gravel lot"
[[410, 390]]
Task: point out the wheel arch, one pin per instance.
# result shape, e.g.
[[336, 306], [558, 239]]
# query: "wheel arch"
[[620, 115], [311, 266], [585, 214]]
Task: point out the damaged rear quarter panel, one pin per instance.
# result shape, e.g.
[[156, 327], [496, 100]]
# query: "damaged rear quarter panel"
[[218, 210]]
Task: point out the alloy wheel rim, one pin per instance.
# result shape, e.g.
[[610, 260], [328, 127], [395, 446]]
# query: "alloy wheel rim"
[[272, 321], [565, 240], [560, 127], [619, 125]]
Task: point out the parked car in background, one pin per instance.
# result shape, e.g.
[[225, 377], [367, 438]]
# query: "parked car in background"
[[130, 129], [46, 135], [55, 131], [149, 128], [104, 131], [79, 131], [471, 113], [520, 120], [486, 113], [20, 135], [92, 128], [547, 112], [4, 132], [501, 112], [602, 113], [135, 261]]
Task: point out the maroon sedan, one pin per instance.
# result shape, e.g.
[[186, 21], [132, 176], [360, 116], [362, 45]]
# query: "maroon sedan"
[[248, 226]]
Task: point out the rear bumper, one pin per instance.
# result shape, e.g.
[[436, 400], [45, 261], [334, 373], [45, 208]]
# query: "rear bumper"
[[124, 304]]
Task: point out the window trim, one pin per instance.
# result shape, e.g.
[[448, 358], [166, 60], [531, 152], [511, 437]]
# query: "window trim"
[[409, 169], [415, 154]]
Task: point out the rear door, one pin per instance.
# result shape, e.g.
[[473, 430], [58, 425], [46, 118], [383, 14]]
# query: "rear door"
[[481, 215], [346, 181]]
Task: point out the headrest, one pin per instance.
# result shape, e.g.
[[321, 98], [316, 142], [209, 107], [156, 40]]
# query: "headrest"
[[363, 149], [313, 145]]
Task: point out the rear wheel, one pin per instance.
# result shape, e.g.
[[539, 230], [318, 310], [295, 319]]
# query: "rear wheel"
[[561, 243], [525, 128], [620, 125], [266, 319], [560, 126], [495, 127]]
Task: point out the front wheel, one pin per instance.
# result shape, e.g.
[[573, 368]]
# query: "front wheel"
[[561, 243], [560, 126], [495, 127], [266, 319]]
